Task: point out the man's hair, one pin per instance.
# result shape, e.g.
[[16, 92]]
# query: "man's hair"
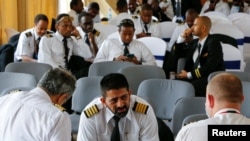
[[126, 23], [60, 17], [58, 81], [120, 4], [113, 81], [226, 87], [40, 17], [146, 7], [73, 3], [83, 14], [94, 5]]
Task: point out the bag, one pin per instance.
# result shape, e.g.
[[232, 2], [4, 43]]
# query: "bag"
[[6, 55]]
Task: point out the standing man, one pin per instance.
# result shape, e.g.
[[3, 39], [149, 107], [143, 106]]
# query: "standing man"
[[28, 43], [125, 48], [76, 7], [37, 115], [117, 115], [94, 10], [144, 24], [203, 55], [223, 104]]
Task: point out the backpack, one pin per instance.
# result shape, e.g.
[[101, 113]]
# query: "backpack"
[[6, 55]]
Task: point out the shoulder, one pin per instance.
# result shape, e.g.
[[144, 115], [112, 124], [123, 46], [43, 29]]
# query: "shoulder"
[[96, 32], [59, 107], [27, 33], [139, 105], [93, 108]]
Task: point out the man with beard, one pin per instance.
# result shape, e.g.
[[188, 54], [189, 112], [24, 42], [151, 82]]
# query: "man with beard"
[[117, 114], [223, 106]]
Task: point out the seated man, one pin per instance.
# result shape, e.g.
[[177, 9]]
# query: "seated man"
[[28, 43], [203, 55], [117, 115], [215, 5], [125, 48]]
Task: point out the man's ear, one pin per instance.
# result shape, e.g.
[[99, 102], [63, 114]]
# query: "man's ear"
[[210, 100], [103, 100], [62, 99]]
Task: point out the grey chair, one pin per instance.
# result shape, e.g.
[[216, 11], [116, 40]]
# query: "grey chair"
[[193, 118], [243, 76], [103, 68], [137, 73], [87, 88], [246, 103], [15, 89], [162, 94], [13, 79], [35, 68], [185, 107]]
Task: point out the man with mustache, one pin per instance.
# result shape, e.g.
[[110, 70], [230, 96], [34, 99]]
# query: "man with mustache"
[[131, 117]]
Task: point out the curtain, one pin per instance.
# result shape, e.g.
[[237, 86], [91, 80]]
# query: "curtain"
[[19, 14]]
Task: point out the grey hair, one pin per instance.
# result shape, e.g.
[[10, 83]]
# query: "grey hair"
[[58, 81]]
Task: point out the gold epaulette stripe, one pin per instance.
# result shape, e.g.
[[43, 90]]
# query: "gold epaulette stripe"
[[140, 107], [97, 33], [61, 108], [91, 111], [15, 91], [197, 73], [28, 34]]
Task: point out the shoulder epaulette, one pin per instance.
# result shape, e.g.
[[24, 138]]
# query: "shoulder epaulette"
[[91, 111], [134, 17], [138, 11], [155, 21], [48, 35], [14, 91], [140, 108], [49, 32], [96, 32], [28, 34], [61, 108]]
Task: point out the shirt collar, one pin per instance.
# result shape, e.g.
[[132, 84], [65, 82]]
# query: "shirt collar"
[[202, 42], [225, 110]]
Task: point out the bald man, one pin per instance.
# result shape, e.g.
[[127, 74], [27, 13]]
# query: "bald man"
[[203, 55], [223, 104]]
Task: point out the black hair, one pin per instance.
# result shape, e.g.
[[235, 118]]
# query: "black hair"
[[40, 17], [94, 5], [83, 14], [126, 23]]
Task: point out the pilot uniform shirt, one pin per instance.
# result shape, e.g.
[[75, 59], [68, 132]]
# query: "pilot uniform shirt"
[[153, 27], [52, 50], [198, 131], [99, 38], [72, 13], [31, 116], [221, 6], [113, 48], [26, 44], [136, 12], [136, 125]]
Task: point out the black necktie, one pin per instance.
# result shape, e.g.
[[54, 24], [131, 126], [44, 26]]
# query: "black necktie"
[[146, 28], [36, 48], [197, 61], [66, 51], [87, 39], [116, 134], [126, 51]]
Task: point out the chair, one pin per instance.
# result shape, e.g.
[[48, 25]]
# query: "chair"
[[157, 46], [167, 29], [105, 28], [233, 58], [243, 76], [217, 17], [185, 107], [193, 118], [14, 89], [103, 68], [245, 105], [163, 94], [137, 73], [13, 79], [35, 68], [87, 88], [10, 32]]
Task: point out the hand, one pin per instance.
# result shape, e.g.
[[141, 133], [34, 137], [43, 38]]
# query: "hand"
[[75, 32], [187, 34], [183, 74], [140, 35], [91, 37]]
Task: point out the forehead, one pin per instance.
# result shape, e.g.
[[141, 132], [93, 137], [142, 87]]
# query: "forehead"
[[114, 93], [127, 29], [86, 19], [146, 12]]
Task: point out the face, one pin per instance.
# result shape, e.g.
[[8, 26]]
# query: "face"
[[86, 24], [197, 28], [64, 27], [146, 16], [79, 6], [126, 34], [93, 12], [190, 20], [118, 101], [41, 27], [132, 5]]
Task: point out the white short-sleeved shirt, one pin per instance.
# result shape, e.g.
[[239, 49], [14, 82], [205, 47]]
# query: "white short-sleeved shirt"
[[31, 116], [113, 48], [26, 44], [74, 15], [51, 50], [117, 19], [221, 6], [134, 126], [198, 131]]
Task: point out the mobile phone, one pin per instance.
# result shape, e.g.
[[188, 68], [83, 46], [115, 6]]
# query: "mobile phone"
[[148, 34], [130, 55]]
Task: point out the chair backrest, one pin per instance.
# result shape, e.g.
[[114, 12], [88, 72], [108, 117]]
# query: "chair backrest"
[[116, 35], [106, 29], [34, 68], [157, 46], [193, 118], [233, 58], [13, 79], [185, 107], [163, 94], [15, 89], [217, 17], [136, 74], [87, 88], [246, 104], [243, 76], [103, 68], [167, 29]]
